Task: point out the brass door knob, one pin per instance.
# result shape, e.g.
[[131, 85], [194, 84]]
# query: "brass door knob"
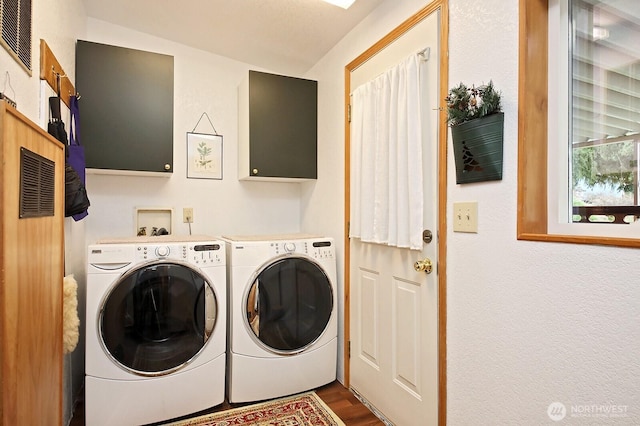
[[423, 266]]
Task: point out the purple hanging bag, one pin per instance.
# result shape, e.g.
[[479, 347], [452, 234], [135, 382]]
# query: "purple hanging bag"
[[75, 151]]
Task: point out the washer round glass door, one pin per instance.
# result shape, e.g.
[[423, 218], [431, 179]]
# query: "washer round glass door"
[[289, 304], [157, 318]]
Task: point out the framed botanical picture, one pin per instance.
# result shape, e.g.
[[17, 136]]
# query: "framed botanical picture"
[[204, 156]]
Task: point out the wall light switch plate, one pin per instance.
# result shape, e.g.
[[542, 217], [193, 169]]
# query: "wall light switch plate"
[[465, 217]]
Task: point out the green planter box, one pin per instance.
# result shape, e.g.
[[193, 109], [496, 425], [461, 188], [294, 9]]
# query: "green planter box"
[[478, 149]]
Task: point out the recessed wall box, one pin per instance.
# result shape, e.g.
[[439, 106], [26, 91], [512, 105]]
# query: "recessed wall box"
[[152, 220]]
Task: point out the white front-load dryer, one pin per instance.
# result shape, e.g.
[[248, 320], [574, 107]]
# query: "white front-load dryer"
[[155, 329], [282, 315]]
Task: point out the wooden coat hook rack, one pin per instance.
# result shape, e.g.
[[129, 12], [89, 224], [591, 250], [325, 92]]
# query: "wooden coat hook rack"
[[50, 70]]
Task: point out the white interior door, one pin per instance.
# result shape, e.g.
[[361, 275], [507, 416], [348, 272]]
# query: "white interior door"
[[394, 308]]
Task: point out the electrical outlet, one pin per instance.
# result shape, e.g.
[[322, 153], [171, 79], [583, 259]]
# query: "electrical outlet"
[[465, 217], [187, 215]]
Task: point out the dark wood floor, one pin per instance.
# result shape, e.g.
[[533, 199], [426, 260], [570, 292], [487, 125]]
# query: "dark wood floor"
[[346, 405], [336, 396]]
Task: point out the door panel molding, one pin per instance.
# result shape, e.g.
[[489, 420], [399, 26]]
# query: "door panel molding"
[[407, 336], [368, 317]]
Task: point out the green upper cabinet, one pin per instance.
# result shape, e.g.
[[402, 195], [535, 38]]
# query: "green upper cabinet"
[[278, 128], [126, 108]]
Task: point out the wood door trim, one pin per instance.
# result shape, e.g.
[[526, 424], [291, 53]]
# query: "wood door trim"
[[443, 7]]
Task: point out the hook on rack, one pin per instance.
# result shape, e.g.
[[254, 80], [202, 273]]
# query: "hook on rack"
[[53, 73], [57, 74], [58, 79]]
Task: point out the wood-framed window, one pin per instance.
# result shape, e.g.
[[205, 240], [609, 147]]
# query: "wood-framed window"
[[533, 141]]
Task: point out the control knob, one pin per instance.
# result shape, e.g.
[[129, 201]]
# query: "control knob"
[[162, 251]]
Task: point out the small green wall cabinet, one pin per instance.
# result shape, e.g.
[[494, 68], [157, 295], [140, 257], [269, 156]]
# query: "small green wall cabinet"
[[278, 130], [126, 110]]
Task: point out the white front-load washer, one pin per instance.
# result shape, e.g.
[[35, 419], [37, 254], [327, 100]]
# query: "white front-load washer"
[[155, 329], [282, 308]]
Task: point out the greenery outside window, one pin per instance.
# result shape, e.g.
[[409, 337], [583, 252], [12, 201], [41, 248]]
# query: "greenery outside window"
[[566, 151]]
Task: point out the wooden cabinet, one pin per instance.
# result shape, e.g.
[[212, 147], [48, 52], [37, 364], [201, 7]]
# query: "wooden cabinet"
[[278, 130], [126, 108], [31, 272]]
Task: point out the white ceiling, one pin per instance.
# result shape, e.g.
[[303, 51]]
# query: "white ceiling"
[[287, 36]]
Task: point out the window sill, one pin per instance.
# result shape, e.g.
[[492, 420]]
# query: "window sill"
[[575, 239]]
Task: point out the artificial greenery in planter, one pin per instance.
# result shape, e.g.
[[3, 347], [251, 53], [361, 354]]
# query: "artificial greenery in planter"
[[477, 129]]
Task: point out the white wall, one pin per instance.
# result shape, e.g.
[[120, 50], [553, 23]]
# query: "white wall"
[[203, 83], [528, 323]]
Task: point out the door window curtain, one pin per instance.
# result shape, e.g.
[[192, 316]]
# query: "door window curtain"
[[386, 158]]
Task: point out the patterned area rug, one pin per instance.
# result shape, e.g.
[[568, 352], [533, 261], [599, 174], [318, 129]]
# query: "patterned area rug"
[[306, 409]]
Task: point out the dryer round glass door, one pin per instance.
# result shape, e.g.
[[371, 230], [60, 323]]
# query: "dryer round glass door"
[[157, 318], [289, 305]]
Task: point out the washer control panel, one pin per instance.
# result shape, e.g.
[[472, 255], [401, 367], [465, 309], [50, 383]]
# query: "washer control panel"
[[320, 249], [199, 253]]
